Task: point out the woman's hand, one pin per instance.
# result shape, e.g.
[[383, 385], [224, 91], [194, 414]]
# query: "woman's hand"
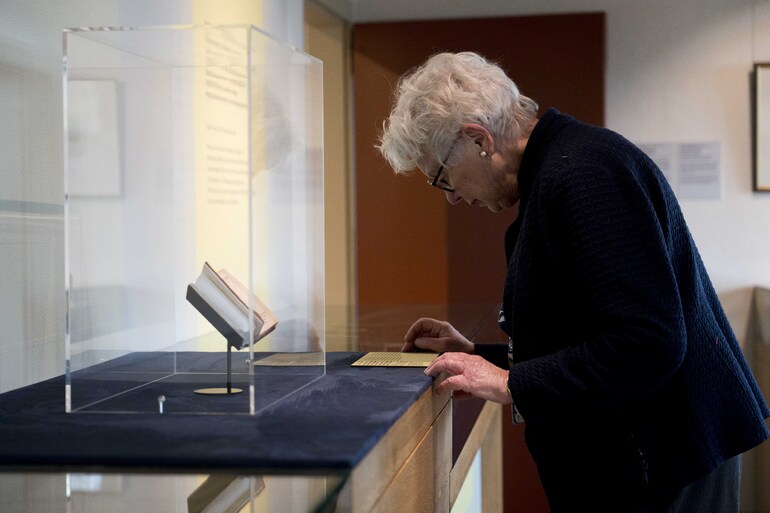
[[434, 335], [471, 375]]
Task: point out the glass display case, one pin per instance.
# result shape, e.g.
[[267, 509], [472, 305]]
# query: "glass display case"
[[193, 219]]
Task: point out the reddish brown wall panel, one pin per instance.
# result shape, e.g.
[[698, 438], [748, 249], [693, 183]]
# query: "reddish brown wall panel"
[[400, 227], [413, 247]]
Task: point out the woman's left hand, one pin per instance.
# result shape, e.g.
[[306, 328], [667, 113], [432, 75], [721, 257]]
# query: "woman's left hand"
[[471, 375]]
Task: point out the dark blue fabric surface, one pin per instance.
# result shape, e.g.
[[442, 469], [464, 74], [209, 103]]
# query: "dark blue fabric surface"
[[330, 424], [133, 383]]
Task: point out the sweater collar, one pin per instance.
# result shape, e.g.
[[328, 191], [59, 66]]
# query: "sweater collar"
[[551, 122], [542, 135]]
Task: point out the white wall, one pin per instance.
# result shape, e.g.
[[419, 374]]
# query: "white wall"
[[677, 71]]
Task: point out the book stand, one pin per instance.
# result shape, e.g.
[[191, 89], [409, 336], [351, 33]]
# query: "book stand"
[[229, 390]]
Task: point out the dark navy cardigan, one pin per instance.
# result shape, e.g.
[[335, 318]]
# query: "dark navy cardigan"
[[625, 368]]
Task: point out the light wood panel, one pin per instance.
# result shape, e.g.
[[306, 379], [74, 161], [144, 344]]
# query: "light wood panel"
[[379, 469], [485, 437], [492, 465], [422, 483], [411, 470]]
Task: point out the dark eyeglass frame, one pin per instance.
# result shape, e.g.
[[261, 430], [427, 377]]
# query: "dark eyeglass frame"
[[435, 183]]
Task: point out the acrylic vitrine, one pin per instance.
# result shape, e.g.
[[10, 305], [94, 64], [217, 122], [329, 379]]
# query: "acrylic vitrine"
[[185, 146]]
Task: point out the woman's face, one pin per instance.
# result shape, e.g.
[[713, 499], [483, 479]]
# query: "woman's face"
[[486, 181]]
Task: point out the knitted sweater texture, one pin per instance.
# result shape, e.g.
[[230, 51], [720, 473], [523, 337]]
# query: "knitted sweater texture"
[[625, 367]]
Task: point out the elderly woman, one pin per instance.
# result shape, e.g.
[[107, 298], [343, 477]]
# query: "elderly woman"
[[621, 362]]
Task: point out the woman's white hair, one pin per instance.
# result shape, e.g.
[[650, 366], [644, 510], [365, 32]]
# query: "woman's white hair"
[[435, 100]]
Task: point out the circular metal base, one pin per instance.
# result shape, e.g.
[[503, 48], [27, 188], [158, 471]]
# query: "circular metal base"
[[218, 391]]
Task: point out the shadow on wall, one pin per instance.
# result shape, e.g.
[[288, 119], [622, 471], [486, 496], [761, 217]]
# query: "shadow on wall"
[[755, 484], [737, 304]]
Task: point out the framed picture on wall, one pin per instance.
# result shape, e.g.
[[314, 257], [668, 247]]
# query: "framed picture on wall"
[[762, 126]]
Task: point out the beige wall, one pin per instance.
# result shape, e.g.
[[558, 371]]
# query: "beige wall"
[[327, 37]]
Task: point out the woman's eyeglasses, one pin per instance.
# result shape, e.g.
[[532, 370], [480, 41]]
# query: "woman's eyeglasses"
[[442, 185]]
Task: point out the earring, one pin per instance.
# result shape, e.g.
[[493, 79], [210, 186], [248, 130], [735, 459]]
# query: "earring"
[[483, 154]]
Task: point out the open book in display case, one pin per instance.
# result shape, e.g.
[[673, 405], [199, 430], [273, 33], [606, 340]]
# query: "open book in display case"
[[188, 147]]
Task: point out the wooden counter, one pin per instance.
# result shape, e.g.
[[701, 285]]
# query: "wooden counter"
[[381, 438], [411, 468]]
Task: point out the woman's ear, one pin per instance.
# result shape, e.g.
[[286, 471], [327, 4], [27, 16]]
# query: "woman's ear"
[[480, 136]]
